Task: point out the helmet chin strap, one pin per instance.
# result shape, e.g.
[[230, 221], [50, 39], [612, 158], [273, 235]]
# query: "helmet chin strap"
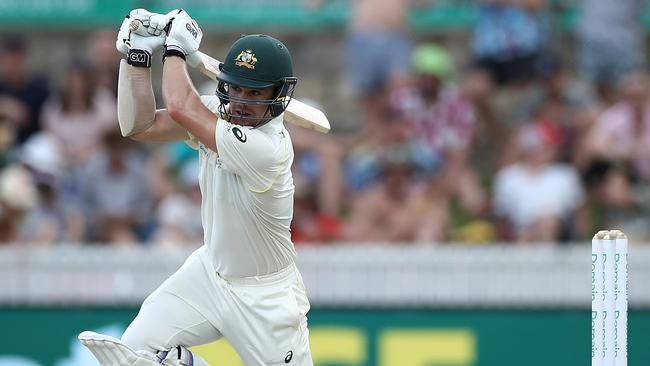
[[261, 121]]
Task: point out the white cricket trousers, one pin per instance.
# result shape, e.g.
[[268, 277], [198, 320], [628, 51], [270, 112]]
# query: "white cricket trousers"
[[263, 317]]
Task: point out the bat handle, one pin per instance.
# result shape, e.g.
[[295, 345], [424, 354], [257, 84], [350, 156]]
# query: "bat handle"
[[138, 28]]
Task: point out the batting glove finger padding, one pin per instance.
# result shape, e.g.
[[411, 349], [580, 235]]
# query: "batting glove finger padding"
[[143, 15], [158, 23], [123, 36]]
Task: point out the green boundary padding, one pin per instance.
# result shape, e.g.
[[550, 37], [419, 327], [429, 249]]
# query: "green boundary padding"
[[47, 336]]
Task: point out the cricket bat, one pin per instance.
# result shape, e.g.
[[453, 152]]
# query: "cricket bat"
[[297, 112]]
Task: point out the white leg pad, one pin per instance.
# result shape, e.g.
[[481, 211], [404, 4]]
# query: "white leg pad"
[[110, 351]]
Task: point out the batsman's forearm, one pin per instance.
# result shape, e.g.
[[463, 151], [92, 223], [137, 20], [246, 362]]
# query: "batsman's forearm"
[[136, 104], [184, 104]]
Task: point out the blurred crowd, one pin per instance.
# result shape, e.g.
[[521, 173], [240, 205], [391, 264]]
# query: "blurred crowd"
[[519, 139]]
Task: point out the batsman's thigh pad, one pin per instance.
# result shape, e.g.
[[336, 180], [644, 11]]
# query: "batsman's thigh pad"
[[184, 310], [266, 319]]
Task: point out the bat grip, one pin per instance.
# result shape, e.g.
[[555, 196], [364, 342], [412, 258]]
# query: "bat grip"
[[137, 27]]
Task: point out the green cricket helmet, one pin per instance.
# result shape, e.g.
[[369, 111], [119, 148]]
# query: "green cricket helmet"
[[257, 61]]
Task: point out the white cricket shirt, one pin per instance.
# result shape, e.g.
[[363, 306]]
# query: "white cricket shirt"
[[247, 197]]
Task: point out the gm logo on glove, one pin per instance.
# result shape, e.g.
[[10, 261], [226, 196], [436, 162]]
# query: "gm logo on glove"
[[139, 58], [191, 29]]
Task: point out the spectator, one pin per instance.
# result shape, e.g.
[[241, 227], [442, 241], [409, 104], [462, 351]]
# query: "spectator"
[[508, 38], [402, 205], [21, 95], [105, 59], [364, 162], [615, 158], [81, 114], [621, 133], [391, 187], [619, 199], [369, 68], [443, 120], [614, 26], [312, 224], [477, 88], [115, 193], [179, 214], [539, 199], [53, 219]]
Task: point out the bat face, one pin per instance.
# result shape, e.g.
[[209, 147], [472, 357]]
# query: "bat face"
[[304, 115], [208, 66]]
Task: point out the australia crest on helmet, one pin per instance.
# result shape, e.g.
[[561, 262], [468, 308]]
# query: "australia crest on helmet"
[[246, 58]]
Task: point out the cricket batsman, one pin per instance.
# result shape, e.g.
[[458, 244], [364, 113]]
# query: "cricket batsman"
[[242, 284]]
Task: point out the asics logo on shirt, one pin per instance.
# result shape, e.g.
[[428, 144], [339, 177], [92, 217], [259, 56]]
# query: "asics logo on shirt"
[[239, 134], [289, 356]]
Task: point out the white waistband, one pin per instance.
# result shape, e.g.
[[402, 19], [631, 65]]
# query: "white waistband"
[[266, 279]]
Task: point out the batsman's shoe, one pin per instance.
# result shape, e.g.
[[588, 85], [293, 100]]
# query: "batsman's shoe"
[[111, 351]]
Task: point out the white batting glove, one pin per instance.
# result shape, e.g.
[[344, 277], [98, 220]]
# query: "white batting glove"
[[124, 34], [137, 39], [184, 35]]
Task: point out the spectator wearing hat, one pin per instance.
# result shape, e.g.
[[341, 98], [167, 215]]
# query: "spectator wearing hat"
[[53, 219], [391, 182], [21, 95], [444, 120]]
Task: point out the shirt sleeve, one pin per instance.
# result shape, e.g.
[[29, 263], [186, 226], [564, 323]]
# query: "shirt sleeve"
[[192, 141], [212, 102], [251, 154]]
